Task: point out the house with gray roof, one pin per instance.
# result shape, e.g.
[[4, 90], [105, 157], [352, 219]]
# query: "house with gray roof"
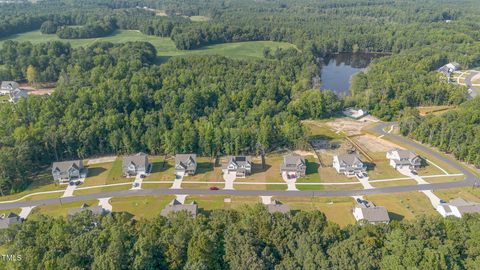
[[349, 164], [365, 210], [67, 171], [277, 207], [17, 94], [458, 207], [9, 220], [240, 165], [294, 165], [96, 210], [135, 164], [7, 87], [176, 206], [404, 159], [185, 164]]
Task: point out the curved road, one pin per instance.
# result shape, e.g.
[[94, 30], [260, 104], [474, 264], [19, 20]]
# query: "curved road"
[[469, 84], [470, 180]]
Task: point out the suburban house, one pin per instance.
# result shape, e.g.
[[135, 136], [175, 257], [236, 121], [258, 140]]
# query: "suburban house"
[[7, 87], [448, 69], [9, 220], [67, 171], [277, 207], [458, 207], [365, 210], [135, 164], [404, 158], [176, 206], [96, 210], [240, 165], [293, 165], [17, 94], [348, 164], [185, 164]]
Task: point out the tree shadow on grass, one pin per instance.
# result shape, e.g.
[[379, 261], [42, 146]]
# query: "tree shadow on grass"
[[160, 166], [92, 172], [204, 167], [395, 216], [312, 167]]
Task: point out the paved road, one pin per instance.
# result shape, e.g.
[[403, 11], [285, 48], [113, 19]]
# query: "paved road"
[[469, 181], [468, 83]]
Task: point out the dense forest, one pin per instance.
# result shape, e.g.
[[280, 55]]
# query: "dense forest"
[[114, 99], [456, 131], [249, 238]]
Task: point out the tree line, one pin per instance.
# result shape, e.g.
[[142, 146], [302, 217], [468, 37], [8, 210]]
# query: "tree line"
[[456, 131], [248, 238]]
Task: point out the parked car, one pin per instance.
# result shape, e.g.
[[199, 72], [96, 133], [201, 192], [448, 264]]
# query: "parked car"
[[359, 200], [414, 172], [214, 188], [136, 184], [365, 174], [142, 176], [71, 183], [359, 175], [443, 201]]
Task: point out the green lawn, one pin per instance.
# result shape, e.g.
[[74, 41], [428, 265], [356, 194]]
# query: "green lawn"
[[199, 18], [394, 183], [405, 205], [165, 46], [141, 207], [57, 210], [312, 173]]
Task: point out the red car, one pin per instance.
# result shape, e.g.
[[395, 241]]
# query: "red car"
[[214, 188]]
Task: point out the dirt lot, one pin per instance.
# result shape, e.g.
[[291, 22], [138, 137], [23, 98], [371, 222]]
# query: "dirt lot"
[[375, 144], [101, 160], [348, 126]]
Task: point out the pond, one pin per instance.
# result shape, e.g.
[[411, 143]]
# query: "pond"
[[338, 70]]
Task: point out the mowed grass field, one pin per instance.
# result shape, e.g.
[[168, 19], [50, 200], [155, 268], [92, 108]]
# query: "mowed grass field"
[[165, 46]]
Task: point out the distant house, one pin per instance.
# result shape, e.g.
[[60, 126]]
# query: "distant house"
[[176, 206], [348, 164], [355, 113], [186, 164], [135, 164], [9, 220], [404, 158], [458, 207], [367, 211], [449, 68], [277, 207], [294, 165], [96, 210], [17, 94], [7, 87], [67, 171], [240, 165]]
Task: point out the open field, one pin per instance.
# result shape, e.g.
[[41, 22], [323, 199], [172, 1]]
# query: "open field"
[[165, 46], [394, 183], [319, 128], [469, 194], [162, 169], [405, 205], [336, 209], [58, 210], [425, 110], [141, 207]]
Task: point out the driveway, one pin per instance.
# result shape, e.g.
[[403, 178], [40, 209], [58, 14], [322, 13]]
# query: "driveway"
[[177, 183], [229, 178], [105, 204], [364, 182], [25, 212], [71, 188], [137, 183], [291, 182], [408, 172]]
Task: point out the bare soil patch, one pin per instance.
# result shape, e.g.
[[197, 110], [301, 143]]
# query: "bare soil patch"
[[348, 126], [101, 160], [375, 144]]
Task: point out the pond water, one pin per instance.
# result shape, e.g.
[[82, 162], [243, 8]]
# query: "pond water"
[[338, 70]]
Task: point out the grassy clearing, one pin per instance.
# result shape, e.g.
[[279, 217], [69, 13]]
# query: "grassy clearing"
[[115, 173], [58, 210], [312, 174], [206, 171], [394, 183], [319, 129], [42, 182], [469, 194], [165, 46], [434, 109], [102, 189], [208, 202], [383, 170], [429, 169], [336, 209], [406, 205], [330, 175], [199, 18], [162, 169], [13, 210], [99, 173], [444, 179], [141, 207]]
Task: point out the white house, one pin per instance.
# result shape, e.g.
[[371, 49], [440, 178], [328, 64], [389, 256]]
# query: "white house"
[[240, 165], [404, 158], [367, 211], [348, 164], [458, 207], [7, 87], [355, 113]]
